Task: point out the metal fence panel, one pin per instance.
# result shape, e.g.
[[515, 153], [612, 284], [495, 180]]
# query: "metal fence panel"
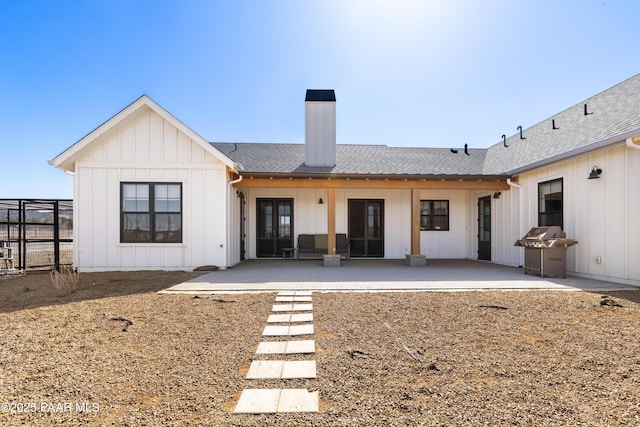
[[40, 231]]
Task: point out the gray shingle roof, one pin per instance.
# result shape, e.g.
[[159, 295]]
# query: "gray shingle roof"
[[613, 113], [356, 160]]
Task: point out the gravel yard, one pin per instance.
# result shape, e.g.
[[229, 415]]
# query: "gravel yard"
[[423, 358]]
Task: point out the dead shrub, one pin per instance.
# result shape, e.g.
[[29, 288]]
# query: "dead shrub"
[[65, 281]]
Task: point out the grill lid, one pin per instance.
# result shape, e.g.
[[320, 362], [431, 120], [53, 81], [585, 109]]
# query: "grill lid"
[[545, 237], [543, 233]]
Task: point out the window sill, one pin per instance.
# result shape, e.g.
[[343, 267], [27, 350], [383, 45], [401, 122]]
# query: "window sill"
[[121, 244]]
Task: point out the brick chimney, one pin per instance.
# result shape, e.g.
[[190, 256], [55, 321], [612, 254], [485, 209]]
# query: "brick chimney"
[[320, 128]]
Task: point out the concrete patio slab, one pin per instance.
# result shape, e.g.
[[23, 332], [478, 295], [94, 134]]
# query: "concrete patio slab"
[[294, 293], [371, 275]]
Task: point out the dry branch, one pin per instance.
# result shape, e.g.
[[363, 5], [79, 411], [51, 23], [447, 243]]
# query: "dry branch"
[[213, 299], [120, 319], [416, 353], [357, 354]]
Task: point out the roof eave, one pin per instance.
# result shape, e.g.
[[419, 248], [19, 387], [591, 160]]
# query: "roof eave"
[[437, 177], [578, 151], [66, 160]]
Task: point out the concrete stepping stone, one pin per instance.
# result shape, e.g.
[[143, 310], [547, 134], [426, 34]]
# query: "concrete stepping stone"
[[301, 317], [292, 307], [299, 369], [298, 400], [287, 347], [279, 318], [293, 299], [290, 318], [281, 369], [271, 401], [294, 293], [258, 401], [287, 330]]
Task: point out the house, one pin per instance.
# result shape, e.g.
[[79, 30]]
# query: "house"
[[150, 193]]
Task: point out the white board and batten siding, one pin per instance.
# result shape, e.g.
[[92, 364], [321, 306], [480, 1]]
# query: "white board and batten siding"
[[310, 217], [147, 148], [451, 244], [602, 214]]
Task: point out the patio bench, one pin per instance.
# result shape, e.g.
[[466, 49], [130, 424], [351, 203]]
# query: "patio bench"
[[314, 246]]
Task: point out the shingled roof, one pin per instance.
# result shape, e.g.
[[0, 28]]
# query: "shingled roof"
[[612, 116], [357, 160]]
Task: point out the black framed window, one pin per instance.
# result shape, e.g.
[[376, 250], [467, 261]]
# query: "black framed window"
[[434, 215], [550, 203], [150, 212]]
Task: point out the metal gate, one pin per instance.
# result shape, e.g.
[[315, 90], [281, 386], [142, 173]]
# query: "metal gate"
[[39, 232]]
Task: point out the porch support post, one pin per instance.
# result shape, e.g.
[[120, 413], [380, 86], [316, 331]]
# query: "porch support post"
[[415, 221], [331, 221], [415, 258]]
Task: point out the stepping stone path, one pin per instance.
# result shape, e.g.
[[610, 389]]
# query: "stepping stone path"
[[287, 321]]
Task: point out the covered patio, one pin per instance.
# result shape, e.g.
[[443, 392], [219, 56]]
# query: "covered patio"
[[380, 275]]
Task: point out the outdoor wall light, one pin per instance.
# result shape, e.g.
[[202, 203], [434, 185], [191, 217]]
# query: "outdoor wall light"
[[497, 194], [320, 201], [595, 173]]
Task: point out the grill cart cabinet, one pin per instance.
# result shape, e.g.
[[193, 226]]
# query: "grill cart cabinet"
[[545, 251]]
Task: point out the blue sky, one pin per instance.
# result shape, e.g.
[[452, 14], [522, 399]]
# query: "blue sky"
[[431, 73]]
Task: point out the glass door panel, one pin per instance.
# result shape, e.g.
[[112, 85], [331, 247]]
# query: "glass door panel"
[[366, 228], [274, 226], [484, 228]]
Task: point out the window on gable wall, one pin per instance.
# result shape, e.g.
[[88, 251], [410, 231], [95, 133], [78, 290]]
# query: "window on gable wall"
[[434, 215], [150, 212], [550, 203]]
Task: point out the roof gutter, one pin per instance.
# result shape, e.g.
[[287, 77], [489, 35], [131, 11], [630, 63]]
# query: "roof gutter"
[[582, 150], [378, 176]]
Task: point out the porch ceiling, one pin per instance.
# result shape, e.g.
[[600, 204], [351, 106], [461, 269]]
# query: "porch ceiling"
[[380, 183]]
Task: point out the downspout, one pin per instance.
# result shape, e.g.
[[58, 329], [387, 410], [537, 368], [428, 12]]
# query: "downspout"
[[631, 144], [513, 184], [235, 181], [520, 213]]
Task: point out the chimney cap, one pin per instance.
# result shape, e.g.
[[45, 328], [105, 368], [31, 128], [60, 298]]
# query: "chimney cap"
[[326, 95]]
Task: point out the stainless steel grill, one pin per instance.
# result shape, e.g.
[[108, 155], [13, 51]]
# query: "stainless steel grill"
[[544, 251]]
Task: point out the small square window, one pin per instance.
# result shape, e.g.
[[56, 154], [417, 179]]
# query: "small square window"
[[434, 215]]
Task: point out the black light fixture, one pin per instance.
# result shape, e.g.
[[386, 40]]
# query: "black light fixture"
[[320, 201], [595, 173], [497, 195]]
